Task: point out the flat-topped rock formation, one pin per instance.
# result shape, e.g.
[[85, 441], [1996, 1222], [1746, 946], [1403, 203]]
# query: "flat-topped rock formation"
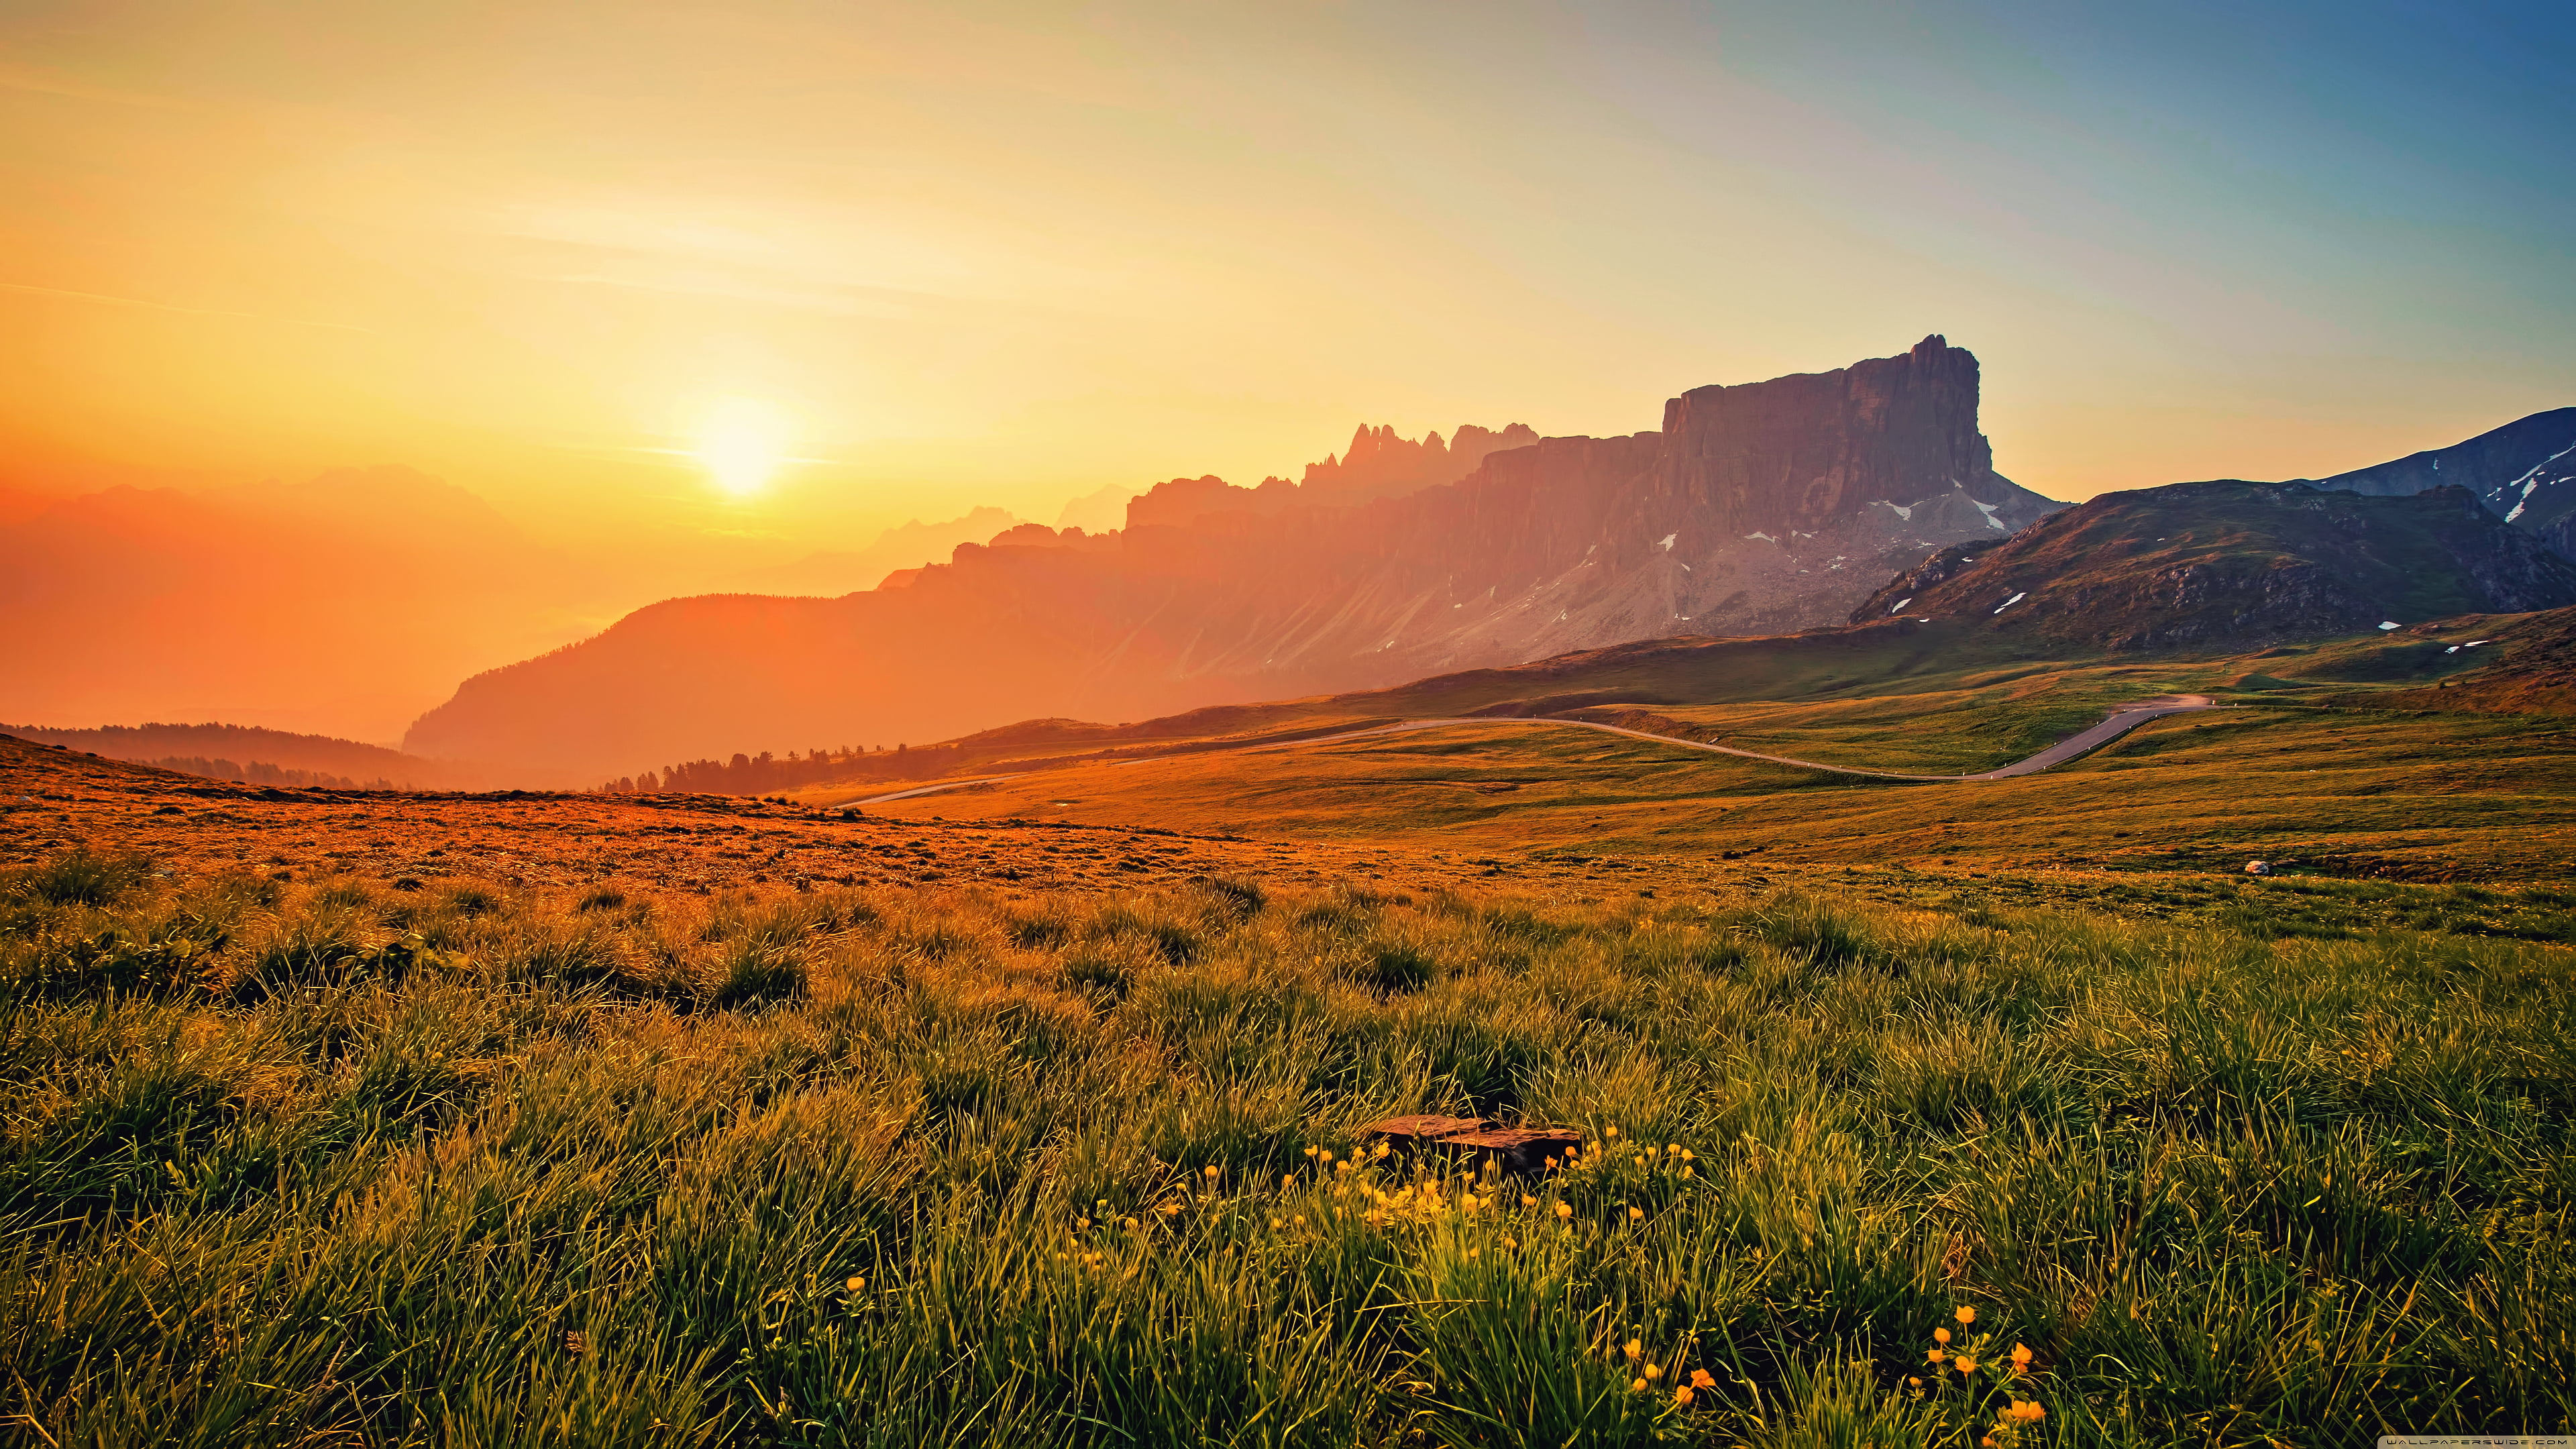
[[1757, 508]]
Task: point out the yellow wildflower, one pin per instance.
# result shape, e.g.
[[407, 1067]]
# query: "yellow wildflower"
[[1967, 1315], [1565, 1210], [1171, 1209], [1610, 1132], [858, 1285], [1700, 1379], [1638, 1387], [1636, 1348], [1940, 1335], [1933, 1355], [1214, 1171], [1528, 1201], [1636, 1214], [1310, 1151], [1681, 1396], [1964, 1364], [2020, 1357], [1653, 1371], [1325, 1157], [1298, 1221]]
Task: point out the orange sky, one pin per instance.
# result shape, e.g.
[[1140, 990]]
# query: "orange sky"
[[1006, 256], [981, 254]]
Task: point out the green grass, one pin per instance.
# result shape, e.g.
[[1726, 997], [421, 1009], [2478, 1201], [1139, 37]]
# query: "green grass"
[[2334, 791], [315, 1163]]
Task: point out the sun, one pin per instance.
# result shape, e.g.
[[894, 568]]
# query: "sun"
[[742, 441]]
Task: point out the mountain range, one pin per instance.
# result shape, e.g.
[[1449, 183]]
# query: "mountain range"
[[2523, 472], [2235, 564], [1757, 508]]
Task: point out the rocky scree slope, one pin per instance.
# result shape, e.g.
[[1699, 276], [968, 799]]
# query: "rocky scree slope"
[[2225, 565], [1757, 508]]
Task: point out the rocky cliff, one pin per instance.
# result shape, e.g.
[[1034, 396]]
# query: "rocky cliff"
[[1757, 508]]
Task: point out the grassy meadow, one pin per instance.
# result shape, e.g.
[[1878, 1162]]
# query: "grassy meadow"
[[324, 1161], [2359, 792]]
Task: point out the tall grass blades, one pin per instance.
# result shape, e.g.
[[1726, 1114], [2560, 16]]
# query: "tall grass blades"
[[318, 1162]]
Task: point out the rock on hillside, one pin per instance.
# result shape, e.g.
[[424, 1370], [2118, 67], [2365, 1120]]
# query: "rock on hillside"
[[1757, 508], [2231, 564], [2524, 472]]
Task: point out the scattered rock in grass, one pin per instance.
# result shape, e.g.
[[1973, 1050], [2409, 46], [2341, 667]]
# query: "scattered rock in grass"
[[2258, 867], [1522, 1150], [1510, 1149], [1412, 1133]]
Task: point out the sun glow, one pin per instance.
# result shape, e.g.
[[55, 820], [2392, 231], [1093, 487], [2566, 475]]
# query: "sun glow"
[[742, 442]]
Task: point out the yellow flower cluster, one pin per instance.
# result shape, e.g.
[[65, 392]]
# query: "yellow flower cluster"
[[1970, 1358], [1645, 1371]]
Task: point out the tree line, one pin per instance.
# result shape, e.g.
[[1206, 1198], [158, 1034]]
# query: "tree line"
[[764, 772]]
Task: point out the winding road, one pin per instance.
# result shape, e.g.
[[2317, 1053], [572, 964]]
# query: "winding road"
[[2119, 722]]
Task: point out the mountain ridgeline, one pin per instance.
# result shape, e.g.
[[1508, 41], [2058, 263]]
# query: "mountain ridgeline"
[[1758, 508], [259, 756], [2232, 564], [2523, 472]]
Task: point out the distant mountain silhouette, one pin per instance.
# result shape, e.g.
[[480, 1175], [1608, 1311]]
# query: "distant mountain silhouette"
[[2524, 472], [345, 600], [1757, 508], [1102, 510], [2232, 565], [906, 546], [261, 756]]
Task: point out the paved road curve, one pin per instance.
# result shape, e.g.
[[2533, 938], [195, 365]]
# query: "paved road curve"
[[2119, 722]]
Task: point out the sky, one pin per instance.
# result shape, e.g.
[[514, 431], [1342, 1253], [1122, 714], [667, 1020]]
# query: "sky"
[[650, 276]]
